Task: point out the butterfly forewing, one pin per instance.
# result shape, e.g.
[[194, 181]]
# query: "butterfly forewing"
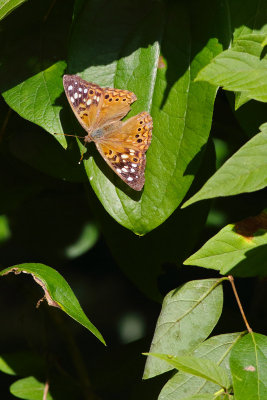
[[116, 104], [124, 149], [85, 98]]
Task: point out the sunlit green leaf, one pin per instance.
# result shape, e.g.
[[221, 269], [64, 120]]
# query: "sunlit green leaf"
[[194, 307], [245, 171], [248, 362], [36, 99], [240, 248], [202, 368], [181, 119], [7, 6], [217, 349]]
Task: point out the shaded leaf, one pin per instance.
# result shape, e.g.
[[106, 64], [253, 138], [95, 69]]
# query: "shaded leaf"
[[194, 307], [57, 292], [22, 363], [245, 171], [248, 362], [202, 368], [217, 349], [240, 248]]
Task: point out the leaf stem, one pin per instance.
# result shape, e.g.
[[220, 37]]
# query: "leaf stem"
[[4, 125], [46, 388], [231, 279]]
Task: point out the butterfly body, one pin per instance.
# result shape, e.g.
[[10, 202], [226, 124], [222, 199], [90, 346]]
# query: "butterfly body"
[[122, 144]]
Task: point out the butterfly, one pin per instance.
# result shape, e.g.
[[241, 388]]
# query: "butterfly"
[[122, 144]]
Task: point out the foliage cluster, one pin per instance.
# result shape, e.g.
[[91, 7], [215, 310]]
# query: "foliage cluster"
[[200, 69]]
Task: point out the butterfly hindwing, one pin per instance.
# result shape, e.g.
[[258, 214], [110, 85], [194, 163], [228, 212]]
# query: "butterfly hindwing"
[[124, 149]]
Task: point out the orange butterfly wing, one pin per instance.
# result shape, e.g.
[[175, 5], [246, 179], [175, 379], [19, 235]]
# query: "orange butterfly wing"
[[124, 148]]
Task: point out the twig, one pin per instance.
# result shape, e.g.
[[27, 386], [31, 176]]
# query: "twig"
[[49, 10], [231, 279], [46, 388], [4, 125]]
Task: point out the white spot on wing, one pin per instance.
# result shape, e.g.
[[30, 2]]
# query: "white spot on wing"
[[89, 102], [97, 99], [124, 156], [134, 165], [70, 87], [118, 170], [124, 169], [132, 170], [72, 99], [129, 178], [76, 95], [85, 91], [80, 89]]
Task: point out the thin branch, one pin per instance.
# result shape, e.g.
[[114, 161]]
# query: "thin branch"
[[46, 388], [4, 125], [49, 10], [231, 279]]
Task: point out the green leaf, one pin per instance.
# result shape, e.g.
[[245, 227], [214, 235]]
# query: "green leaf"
[[35, 99], [203, 396], [194, 307], [7, 6], [29, 389], [203, 368], [248, 362], [57, 292], [165, 246], [22, 363], [240, 248], [5, 232], [245, 171], [129, 60], [217, 349], [237, 71]]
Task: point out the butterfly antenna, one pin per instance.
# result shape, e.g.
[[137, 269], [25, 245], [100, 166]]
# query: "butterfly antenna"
[[65, 134]]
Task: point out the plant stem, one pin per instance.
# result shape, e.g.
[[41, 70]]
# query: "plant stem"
[[4, 125], [231, 279], [46, 388]]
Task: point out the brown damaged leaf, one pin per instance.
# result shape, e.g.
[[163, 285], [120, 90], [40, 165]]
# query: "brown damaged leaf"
[[248, 226], [47, 296], [161, 63], [57, 291]]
